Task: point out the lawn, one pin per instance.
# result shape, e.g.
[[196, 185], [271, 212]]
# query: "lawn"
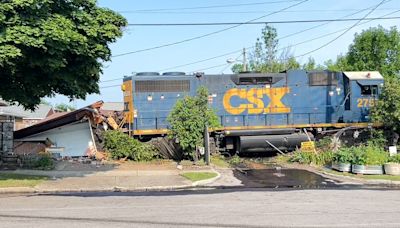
[[17, 180], [367, 177], [198, 176]]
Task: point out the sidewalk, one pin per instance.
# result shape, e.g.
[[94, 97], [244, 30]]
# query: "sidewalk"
[[111, 180]]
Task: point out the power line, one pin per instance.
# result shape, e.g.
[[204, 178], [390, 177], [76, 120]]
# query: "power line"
[[292, 34], [239, 50], [200, 61], [111, 86], [208, 34], [213, 6], [348, 29], [236, 59], [244, 12], [280, 38], [261, 22], [307, 41], [345, 31]]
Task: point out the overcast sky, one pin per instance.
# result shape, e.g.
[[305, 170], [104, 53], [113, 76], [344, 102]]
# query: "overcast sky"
[[137, 38]]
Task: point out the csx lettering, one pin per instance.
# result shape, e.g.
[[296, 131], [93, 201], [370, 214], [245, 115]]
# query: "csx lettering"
[[255, 103]]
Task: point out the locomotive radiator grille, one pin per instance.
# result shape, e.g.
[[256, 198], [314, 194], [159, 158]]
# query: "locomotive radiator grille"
[[162, 86]]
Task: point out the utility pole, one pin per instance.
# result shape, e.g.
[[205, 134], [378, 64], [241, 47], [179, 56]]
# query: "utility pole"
[[244, 60]]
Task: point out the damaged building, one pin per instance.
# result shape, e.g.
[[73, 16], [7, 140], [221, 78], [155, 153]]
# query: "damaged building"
[[72, 134]]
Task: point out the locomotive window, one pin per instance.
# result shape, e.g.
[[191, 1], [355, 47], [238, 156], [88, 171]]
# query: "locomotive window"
[[255, 80], [323, 79], [369, 90], [162, 86]]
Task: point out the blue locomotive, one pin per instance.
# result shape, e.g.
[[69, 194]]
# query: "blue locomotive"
[[284, 109]]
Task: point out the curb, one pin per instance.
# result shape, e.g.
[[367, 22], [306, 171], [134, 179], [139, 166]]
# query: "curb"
[[28, 190], [33, 190], [322, 172], [363, 181]]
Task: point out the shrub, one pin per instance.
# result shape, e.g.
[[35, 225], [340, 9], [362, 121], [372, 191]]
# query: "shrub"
[[44, 162], [188, 119], [377, 139], [320, 158], [235, 160], [344, 155], [394, 159], [120, 145], [369, 155], [324, 144]]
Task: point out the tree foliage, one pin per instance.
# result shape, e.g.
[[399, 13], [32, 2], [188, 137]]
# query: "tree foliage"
[[376, 49], [266, 57], [373, 49], [387, 108], [64, 107], [120, 145], [54, 46], [189, 118]]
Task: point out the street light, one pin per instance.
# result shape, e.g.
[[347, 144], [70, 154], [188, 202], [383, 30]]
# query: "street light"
[[244, 61]]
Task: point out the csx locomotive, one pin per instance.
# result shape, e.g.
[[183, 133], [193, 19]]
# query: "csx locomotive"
[[283, 109]]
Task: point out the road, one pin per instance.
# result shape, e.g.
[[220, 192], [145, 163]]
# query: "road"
[[236, 207]]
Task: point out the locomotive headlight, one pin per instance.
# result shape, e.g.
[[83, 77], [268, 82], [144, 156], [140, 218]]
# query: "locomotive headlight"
[[331, 93], [338, 89], [162, 97], [149, 98]]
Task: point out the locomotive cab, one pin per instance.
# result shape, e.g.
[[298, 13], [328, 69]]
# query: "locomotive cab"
[[362, 90]]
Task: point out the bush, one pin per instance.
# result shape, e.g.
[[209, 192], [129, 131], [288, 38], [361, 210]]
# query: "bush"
[[188, 119], [44, 162], [394, 159], [369, 155], [324, 144], [320, 158], [344, 155], [377, 139], [120, 145], [235, 160]]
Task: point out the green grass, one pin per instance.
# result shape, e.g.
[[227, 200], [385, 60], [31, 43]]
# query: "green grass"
[[18, 180], [366, 176], [282, 159], [198, 176], [219, 161]]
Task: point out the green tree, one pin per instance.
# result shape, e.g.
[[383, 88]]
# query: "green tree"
[[373, 49], [50, 47], [43, 101], [64, 107], [340, 64], [311, 65], [387, 108], [189, 118], [265, 57], [270, 38], [376, 49]]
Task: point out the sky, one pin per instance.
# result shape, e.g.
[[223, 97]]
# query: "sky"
[[232, 40]]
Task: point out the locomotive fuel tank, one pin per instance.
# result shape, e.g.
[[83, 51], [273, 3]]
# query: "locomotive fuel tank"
[[258, 143]]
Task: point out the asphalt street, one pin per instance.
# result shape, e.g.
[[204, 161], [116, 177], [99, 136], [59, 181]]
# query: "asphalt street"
[[236, 207]]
